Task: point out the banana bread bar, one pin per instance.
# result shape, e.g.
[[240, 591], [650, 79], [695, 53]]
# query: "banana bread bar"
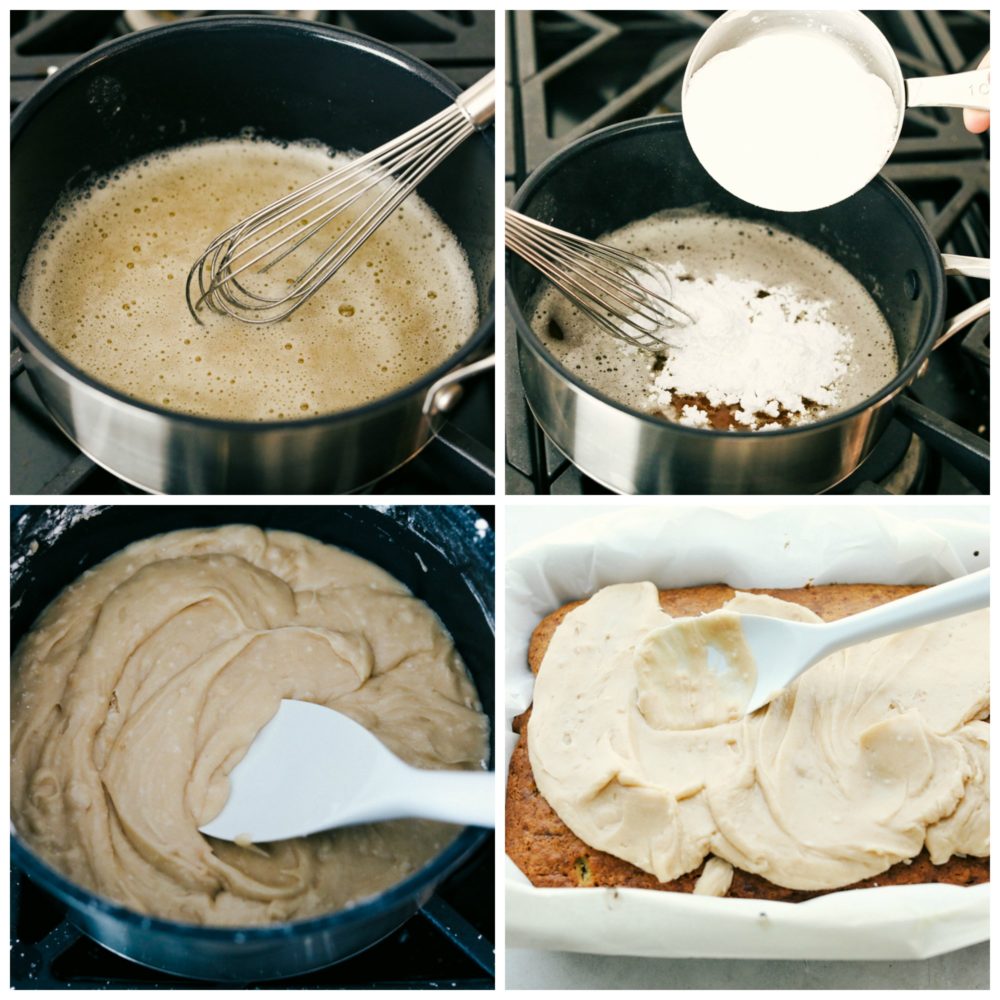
[[549, 854]]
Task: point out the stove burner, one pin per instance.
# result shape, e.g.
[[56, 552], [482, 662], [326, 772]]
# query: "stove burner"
[[897, 464], [576, 71]]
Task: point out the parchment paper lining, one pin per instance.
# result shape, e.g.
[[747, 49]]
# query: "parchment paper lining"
[[790, 547]]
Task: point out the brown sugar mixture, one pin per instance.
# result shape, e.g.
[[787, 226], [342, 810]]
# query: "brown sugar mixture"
[[105, 286], [143, 684]]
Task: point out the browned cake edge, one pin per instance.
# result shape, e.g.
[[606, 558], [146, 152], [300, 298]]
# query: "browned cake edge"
[[551, 856]]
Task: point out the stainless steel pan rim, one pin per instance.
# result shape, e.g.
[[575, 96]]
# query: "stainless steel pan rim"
[[907, 374], [44, 353]]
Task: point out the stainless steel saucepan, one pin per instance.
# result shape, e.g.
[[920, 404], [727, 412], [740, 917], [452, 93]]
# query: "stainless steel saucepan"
[[444, 554], [877, 234], [289, 80]]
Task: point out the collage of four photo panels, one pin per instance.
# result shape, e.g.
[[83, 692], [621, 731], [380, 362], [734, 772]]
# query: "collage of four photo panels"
[[499, 499]]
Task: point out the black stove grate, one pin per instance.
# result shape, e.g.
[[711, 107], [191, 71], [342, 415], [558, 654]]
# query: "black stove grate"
[[571, 72], [446, 945], [458, 43]]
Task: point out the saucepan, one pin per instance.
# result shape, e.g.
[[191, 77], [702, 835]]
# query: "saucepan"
[[213, 77], [444, 554], [877, 234]]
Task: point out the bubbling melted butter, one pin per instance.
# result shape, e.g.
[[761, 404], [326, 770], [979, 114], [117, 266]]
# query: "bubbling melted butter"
[[104, 285]]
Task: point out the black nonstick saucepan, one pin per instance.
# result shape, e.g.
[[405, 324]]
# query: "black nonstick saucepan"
[[209, 78], [444, 554], [877, 234]]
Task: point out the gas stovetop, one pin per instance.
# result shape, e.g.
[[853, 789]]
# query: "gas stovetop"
[[447, 945], [571, 72], [458, 43]]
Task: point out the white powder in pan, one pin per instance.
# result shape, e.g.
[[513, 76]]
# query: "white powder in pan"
[[761, 352], [790, 120], [780, 326]]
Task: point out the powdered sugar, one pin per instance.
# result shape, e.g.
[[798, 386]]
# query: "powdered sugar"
[[725, 271], [691, 416], [766, 354]]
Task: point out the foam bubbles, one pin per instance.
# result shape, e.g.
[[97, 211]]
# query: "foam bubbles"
[[105, 285]]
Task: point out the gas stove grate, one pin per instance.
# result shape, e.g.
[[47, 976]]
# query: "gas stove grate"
[[447, 944], [572, 72], [459, 43]]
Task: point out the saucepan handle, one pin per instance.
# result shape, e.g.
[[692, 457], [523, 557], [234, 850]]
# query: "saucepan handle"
[[967, 267], [957, 90], [445, 392]]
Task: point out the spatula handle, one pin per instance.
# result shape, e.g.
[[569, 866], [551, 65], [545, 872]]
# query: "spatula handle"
[[956, 597], [465, 797]]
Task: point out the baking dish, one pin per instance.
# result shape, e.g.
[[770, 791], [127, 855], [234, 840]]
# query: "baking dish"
[[786, 547]]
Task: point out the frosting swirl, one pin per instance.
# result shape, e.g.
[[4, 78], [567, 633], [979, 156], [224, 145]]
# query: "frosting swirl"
[[142, 685], [870, 755]]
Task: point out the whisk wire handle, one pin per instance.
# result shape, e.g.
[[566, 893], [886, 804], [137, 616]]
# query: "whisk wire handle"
[[628, 295], [375, 183]]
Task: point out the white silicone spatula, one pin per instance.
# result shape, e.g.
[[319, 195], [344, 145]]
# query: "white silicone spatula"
[[311, 768], [783, 649]]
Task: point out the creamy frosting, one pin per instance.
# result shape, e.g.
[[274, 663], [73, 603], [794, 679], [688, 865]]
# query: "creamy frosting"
[[715, 879], [871, 754], [694, 672], [143, 684]]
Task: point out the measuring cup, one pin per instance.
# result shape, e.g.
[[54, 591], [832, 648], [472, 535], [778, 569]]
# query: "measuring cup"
[[870, 47]]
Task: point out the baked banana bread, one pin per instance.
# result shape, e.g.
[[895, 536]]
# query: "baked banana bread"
[[551, 856]]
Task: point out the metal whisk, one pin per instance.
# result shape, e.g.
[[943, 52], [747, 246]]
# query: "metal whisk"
[[626, 294], [371, 187]]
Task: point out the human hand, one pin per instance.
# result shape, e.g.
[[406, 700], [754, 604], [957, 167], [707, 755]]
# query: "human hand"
[[978, 121]]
